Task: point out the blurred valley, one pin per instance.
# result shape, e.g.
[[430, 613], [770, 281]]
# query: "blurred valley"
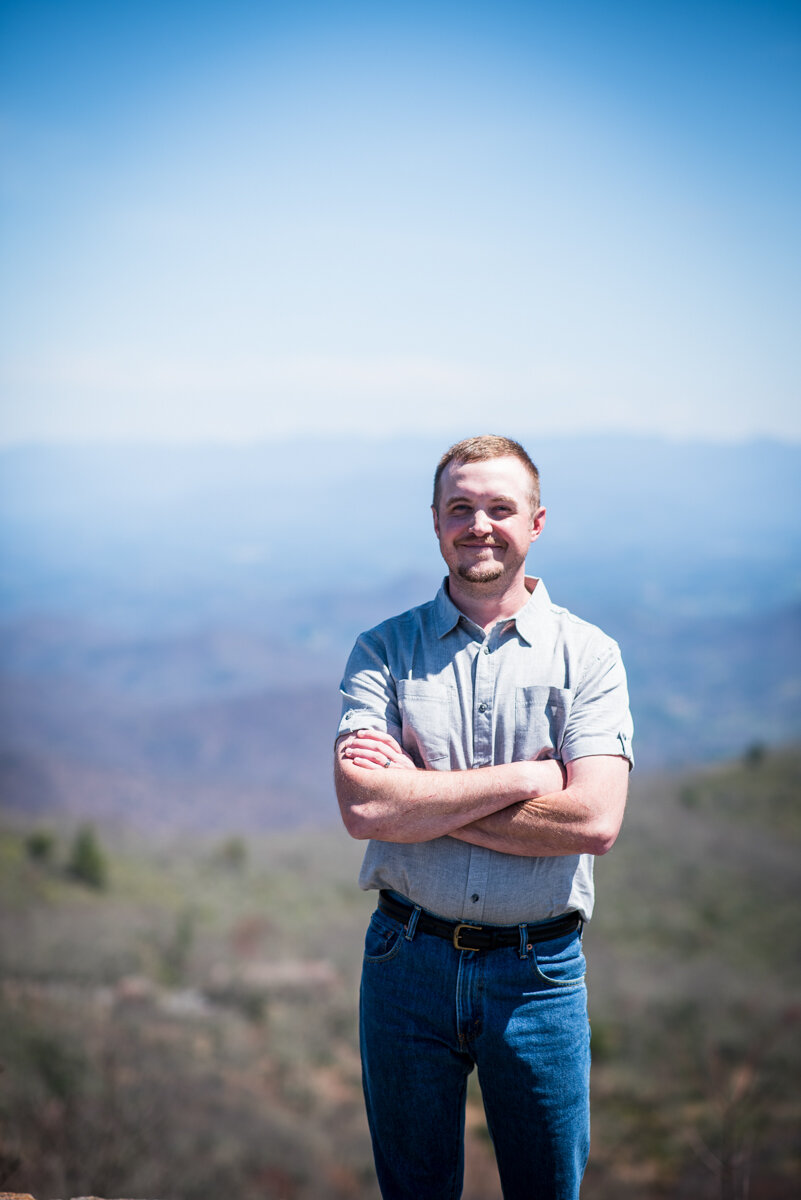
[[174, 620]]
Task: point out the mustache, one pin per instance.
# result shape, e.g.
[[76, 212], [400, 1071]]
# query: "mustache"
[[478, 541]]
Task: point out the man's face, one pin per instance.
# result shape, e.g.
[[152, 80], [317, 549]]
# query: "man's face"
[[484, 520]]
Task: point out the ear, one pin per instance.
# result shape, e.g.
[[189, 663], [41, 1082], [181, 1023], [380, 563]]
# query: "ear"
[[537, 523], [436, 520]]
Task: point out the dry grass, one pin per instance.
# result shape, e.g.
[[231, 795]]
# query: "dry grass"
[[191, 1030]]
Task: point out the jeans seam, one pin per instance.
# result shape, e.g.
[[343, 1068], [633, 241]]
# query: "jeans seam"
[[458, 1145]]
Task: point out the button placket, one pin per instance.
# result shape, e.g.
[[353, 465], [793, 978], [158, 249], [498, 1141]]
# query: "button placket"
[[475, 892], [482, 707]]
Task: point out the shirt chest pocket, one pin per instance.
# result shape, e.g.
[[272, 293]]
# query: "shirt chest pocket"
[[425, 721], [541, 714]]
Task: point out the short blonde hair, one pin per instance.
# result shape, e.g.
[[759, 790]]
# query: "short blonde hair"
[[479, 449]]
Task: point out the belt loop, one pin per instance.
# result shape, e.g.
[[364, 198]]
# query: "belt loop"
[[523, 950], [411, 927]]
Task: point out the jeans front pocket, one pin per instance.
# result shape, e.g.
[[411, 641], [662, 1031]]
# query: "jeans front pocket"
[[383, 939], [560, 962]]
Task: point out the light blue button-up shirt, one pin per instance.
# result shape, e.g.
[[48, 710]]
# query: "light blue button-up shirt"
[[541, 684]]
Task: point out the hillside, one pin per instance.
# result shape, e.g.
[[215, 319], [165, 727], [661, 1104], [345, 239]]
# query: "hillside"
[[189, 1031], [230, 728]]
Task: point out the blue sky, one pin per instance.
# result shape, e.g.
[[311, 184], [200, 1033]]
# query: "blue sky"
[[250, 220]]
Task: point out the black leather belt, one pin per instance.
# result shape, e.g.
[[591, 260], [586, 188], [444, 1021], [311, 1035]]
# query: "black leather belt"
[[466, 936]]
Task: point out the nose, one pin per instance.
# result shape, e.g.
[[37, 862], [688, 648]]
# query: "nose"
[[481, 523]]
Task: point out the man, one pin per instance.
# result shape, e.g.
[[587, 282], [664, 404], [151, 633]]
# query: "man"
[[484, 750]]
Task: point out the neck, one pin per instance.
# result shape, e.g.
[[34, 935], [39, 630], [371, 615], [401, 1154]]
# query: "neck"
[[478, 602]]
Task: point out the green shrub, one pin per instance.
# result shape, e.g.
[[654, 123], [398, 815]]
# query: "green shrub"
[[232, 854], [176, 951], [754, 756], [39, 845], [87, 861]]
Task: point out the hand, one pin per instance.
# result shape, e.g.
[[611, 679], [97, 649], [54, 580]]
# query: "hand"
[[374, 750]]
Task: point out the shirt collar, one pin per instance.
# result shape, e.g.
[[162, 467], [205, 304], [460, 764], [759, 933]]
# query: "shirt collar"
[[446, 614], [528, 617]]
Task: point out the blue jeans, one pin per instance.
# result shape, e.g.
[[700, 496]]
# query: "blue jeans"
[[428, 1014]]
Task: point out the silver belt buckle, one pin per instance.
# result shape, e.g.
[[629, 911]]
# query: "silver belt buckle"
[[457, 931]]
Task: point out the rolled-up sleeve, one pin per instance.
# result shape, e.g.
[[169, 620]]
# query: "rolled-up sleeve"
[[600, 720], [369, 697]]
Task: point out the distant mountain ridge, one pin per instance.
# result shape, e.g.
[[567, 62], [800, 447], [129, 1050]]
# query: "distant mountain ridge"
[[628, 518], [174, 621]]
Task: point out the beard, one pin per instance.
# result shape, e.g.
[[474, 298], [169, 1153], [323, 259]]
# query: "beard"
[[480, 572]]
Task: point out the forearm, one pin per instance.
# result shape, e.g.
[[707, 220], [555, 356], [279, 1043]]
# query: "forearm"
[[417, 806], [546, 827], [583, 818]]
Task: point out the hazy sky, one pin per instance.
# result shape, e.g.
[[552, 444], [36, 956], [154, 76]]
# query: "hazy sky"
[[249, 219]]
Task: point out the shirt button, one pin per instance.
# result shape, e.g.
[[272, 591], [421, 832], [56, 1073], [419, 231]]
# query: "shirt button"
[[482, 707], [486, 649], [474, 897]]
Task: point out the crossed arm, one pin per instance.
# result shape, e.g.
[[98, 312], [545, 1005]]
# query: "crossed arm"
[[525, 808]]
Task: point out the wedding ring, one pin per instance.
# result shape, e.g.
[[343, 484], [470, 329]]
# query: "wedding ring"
[[388, 763]]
